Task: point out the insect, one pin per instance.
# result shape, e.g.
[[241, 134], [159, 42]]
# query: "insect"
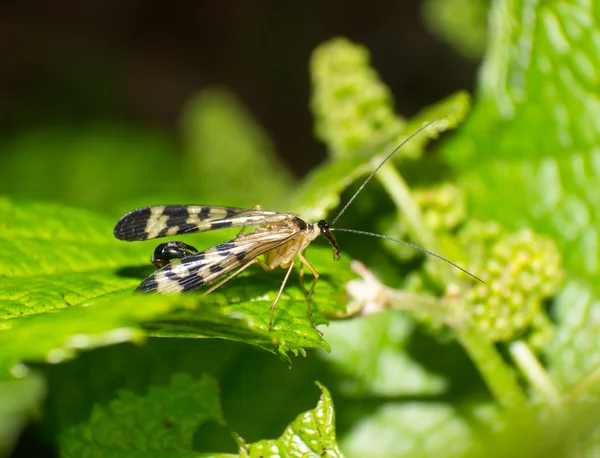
[[280, 238]]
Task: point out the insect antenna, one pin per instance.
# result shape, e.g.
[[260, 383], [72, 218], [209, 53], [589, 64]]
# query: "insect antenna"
[[416, 247], [372, 234], [416, 132]]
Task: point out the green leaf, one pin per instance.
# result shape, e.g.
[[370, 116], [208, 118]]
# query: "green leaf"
[[78, 165], [575, 350], [165, 421], [414, 429], [528, 154], [461, 23], [56, 257], [63, 258], [312, 433], [567, 431], [370, 352], [162, 423], [228, 157], [454, 108]]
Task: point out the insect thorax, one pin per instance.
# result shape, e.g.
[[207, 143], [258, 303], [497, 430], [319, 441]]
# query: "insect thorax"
[[284, 254]]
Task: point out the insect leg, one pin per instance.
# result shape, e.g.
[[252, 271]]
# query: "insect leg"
[[312, 287], [173, 249], [301, 278], [287, 275]]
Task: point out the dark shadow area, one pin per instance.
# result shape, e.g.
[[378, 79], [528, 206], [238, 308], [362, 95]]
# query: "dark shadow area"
[[139, 62], [447, 358], [31, 444], [139, 272]]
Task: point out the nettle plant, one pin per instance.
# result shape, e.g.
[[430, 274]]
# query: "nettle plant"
[[420, 359]]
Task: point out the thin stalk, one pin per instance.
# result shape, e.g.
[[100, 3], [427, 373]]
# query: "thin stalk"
[[399, 192], [535, 373], [497, 375]]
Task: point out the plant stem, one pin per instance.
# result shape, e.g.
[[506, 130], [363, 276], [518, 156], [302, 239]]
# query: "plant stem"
[[534, 372], [398, 190], [497, 375], [585, 385]]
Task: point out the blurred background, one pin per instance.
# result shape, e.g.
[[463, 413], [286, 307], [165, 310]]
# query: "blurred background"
[[92, 93]]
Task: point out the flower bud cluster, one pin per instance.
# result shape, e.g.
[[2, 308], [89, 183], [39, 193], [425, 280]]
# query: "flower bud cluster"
[[520, 271], [352, 107]]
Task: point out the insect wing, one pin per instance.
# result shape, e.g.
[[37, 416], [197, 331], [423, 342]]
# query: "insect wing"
[[193, 272], [163, 220]]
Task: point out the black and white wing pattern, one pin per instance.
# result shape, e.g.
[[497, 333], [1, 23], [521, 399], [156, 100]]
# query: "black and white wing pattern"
[[163, 220], [194, 271]]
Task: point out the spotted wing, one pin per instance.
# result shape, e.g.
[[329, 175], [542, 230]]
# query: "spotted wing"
[[193, 272], [163, 220]]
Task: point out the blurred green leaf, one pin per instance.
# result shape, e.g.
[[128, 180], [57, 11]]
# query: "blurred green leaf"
[[312, 433], [537, 431], [160, 424], [228, 156], [371, 352], [416, 429], [574, 353], [96, 167], [461, 23], [528, 154]]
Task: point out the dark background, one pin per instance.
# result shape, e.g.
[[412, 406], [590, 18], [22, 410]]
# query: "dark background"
[[137, 62]]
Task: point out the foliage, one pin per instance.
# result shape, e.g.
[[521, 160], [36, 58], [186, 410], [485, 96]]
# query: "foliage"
[[421, 359], [462, 23]]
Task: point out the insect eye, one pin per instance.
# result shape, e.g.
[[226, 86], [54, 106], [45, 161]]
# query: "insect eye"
[[323, 225]]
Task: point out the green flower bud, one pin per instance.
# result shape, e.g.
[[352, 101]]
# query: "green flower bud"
[[352, 107], [443, 208], [520, 270]]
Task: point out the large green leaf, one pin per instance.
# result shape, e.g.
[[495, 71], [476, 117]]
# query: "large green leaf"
[[66, 261], [528, 153], [96, 166], [227, 155]]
